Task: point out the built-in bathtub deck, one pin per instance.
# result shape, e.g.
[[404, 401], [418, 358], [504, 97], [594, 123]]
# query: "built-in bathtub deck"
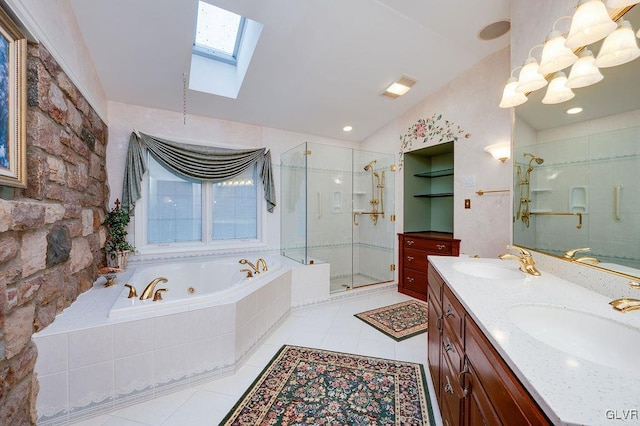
[[89, 363]]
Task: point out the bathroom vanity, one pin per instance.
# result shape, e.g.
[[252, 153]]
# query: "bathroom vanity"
[[505, 347], [414, 247]]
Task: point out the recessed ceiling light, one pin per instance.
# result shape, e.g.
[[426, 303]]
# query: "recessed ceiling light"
[[576, 110], [494, 30], [399, 88], [347, 128]]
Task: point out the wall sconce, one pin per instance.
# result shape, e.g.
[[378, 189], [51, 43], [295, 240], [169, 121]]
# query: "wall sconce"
[[500, 151], [555, 55], [510, 97], [530, 78], [591, 22], [619, 47], [584, 72], [558, 92]]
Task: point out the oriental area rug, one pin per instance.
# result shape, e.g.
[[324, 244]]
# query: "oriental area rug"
[[306, 386], [399, 321]]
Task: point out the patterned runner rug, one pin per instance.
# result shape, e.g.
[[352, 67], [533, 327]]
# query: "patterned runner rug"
[[399, 321], [306, 386]]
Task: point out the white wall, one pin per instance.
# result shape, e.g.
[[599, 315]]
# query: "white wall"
[[53, 24], [471, 102]]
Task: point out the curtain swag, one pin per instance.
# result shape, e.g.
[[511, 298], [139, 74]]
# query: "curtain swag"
[[192, 161]]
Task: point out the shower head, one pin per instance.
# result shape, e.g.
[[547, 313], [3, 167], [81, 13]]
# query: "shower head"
[[368, 166], [534, 158]]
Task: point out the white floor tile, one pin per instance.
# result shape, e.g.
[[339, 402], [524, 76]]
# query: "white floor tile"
[[157, 410], [202, 409]]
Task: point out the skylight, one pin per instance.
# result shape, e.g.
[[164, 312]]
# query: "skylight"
[[218, 33]]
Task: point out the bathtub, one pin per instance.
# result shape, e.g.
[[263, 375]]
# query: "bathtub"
[[191, 286]]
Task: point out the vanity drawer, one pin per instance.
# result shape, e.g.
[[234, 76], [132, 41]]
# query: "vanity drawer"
[[415, 259], [452, 350], [453, 314], [431, 245]]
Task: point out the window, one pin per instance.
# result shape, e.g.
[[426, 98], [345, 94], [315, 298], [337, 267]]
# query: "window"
[[218, 33], [181, 210]]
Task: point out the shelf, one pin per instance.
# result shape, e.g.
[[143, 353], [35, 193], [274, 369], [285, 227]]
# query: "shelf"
[[435, 173], [439, 195]]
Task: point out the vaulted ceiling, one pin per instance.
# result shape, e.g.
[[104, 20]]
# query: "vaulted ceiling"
[[318, 66]]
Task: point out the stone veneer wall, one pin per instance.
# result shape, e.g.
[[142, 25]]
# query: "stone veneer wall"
[[51, 233]]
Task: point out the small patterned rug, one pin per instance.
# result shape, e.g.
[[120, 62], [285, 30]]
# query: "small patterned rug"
[[305, 386], [399, 321]]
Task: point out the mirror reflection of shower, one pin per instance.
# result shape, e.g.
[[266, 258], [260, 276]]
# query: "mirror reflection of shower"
[[377, 190], [524, 183]]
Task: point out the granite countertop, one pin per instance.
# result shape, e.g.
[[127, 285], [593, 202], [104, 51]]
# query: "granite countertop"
[[572, 389]]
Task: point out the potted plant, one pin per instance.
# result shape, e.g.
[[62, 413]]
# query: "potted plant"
[[117, 248]]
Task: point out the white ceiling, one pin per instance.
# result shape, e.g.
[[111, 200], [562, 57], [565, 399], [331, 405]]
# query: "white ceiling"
[[318, 66]]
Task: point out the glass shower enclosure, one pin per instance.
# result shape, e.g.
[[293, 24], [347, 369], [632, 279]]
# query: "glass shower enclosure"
[[337, 208]]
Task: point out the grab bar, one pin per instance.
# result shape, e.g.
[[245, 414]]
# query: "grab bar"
[[481, 192], [579, 214], [356, 214], [616, 203]]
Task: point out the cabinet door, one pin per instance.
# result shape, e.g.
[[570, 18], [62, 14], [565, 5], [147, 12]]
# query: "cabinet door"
[[510, 400], [479, 409], [434, 339]]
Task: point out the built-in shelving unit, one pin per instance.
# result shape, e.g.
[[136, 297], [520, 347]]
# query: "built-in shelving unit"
[[428, 189]]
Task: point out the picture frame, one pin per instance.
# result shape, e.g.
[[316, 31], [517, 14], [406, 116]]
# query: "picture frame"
[[13, 149]]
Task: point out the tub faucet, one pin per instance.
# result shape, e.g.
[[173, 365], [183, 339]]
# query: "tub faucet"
[[527, 264], [246, 262], [262, 262], [148, 290]]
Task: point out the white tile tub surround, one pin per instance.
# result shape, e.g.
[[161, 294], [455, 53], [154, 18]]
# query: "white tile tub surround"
[[89, 364]]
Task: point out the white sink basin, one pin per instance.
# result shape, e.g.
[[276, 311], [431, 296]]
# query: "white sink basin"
[[489, 271], [581, 334]]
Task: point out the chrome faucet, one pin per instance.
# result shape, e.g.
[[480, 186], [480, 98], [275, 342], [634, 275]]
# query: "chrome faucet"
[[148, 290], [246, 262], [527, 264], [626, 304], [262, 262]]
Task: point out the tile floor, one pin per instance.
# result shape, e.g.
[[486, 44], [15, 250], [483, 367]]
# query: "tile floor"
[[330, 326]]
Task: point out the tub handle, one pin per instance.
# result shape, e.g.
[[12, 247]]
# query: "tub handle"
[[132, 291], [157, 296], [248, 271]]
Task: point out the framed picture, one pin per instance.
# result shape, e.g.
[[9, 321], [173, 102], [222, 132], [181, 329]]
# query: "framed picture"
[[13, 54]]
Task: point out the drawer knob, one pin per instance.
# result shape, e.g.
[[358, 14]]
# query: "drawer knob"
[[409, 258], [449, 312], [410, 279], [410, 242], [440, 246]]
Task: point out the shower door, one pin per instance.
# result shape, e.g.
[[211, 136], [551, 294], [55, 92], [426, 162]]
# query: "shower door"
[[334, 211]]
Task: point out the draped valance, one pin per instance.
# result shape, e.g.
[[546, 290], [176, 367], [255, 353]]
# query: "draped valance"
[[192, 161]]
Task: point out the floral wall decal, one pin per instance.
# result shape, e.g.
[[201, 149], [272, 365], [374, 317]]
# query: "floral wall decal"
[[432, 129]]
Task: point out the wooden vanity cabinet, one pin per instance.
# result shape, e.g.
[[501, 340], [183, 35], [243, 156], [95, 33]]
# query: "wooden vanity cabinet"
[[414, 247], [474, 386]]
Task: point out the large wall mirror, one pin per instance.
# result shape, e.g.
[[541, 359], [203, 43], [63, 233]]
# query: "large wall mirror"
[[577, 177]]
